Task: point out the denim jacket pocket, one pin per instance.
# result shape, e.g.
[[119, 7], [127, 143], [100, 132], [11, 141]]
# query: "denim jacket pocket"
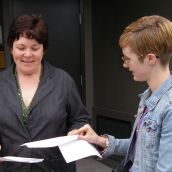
[[150, 131]]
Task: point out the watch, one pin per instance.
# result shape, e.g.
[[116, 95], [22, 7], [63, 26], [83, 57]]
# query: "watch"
[[107, 140]]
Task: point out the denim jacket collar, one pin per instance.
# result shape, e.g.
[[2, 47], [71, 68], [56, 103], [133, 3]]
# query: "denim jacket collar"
[[152, 101]]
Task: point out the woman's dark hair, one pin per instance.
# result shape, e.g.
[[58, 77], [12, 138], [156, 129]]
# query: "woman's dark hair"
[[29, 26]]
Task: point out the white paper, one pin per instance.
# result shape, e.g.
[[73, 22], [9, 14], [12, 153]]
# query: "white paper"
[[20, 159], [71, 148], [77, 149], [56, 141]]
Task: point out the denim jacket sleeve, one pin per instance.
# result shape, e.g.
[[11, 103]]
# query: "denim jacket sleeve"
[[116, 147], [165, 143]]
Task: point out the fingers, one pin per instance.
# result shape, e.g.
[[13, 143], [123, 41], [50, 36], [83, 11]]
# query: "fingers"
[[81, 131], [73, 132], [84, 130], [85, 133], [88, 134]]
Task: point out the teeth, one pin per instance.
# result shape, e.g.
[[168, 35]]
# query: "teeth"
[[27, 61]]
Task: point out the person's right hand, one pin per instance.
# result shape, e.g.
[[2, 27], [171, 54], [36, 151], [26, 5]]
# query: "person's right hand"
[[88, 134]]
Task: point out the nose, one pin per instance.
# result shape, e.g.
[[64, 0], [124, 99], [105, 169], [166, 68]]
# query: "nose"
[[27, 53]]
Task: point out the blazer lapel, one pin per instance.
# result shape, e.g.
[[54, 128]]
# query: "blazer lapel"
[[11, 86], [11, 95], [43, 90], [45, 87]]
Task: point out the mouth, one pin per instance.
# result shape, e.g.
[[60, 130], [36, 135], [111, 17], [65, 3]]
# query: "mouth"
[[27, 61]]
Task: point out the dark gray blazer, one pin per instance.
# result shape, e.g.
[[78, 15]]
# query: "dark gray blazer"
[[55, 109]]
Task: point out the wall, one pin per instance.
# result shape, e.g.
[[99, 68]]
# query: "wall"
[[115, 93], [87, 19], [0, 13], [6, 22], [0, 25]]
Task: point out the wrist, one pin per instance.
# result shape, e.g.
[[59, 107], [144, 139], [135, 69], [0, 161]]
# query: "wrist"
[[103, 141]]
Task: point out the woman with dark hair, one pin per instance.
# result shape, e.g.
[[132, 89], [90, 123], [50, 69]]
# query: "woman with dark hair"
[[37, 100]]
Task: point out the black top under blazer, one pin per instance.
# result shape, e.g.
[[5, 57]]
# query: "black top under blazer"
[[56, 108]]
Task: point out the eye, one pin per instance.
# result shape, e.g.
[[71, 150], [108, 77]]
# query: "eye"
[[20, 48], [35, 48]]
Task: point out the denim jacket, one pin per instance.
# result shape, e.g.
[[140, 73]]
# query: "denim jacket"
[[153, 147]]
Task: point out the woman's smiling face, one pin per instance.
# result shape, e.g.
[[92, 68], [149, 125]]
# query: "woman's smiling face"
[[27, 55]]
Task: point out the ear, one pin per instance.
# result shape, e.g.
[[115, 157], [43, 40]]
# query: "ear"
[[151, 58]]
